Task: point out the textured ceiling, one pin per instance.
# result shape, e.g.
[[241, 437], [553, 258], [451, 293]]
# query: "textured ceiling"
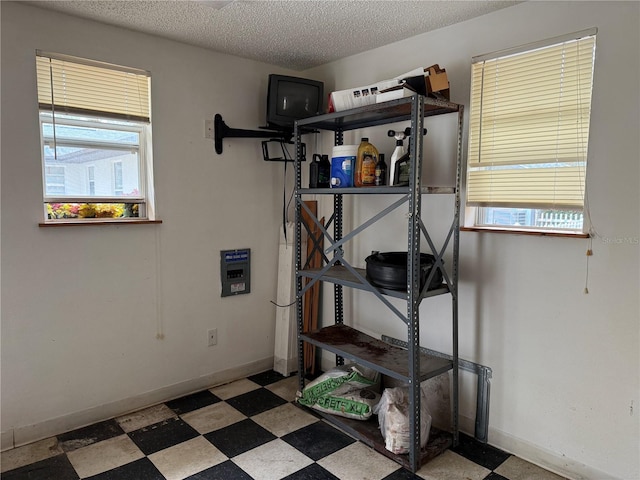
[[295, 34]]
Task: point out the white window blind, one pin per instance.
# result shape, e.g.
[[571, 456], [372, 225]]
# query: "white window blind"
[[529, 126], [78, 86]]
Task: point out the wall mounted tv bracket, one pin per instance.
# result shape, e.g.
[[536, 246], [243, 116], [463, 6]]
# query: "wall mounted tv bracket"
[[222, 131], [280, 143]]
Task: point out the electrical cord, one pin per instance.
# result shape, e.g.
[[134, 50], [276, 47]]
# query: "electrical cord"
[[285, 204], [282, 306], [284, 201]]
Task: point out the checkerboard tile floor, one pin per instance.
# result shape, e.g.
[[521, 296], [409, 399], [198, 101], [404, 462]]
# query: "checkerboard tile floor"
[[248, 429]]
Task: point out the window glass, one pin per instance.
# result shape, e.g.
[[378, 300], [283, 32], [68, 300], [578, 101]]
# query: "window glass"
[[95, 131], [88, 166], [530, 218], [55, 180]]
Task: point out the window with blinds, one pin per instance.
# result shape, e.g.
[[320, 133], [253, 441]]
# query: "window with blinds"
[[529, 125], [95, 125]]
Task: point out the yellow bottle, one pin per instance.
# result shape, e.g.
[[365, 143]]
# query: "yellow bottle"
[[365, 172]]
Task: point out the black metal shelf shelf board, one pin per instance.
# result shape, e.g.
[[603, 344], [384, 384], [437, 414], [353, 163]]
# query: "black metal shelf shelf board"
[[373, 353], [386, 190], [341, 276], [368, 432], [377, 114]]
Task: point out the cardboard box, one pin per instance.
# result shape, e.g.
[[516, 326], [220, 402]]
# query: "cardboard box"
[[432, 81], [437, 79]]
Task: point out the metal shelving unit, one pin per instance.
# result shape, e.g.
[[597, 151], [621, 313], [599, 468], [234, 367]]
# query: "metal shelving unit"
[[410, 365]]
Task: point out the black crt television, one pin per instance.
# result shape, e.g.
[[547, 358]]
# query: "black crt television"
[[291, 98]]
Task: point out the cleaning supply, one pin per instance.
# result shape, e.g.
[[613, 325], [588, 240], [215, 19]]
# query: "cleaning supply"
[[343, 158], [324, 172], [398, 152], [401, 169], [381, 172], [365, 172], [320, 172], [400, 159], [313, 171]]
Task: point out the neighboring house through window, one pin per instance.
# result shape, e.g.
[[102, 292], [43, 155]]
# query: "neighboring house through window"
[[95, 128], [117, 178], [54, 180], [91, 179], [528, 135]]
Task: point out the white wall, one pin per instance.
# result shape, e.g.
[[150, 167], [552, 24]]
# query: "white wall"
[[82, 306], [565, 388]]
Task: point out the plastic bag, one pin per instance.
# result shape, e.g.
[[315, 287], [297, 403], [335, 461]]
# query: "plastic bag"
[[348, 391], [393, 418]]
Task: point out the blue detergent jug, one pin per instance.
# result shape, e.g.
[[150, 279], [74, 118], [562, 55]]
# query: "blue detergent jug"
[[343, 160]]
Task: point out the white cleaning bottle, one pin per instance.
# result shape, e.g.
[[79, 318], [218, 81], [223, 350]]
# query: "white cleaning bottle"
[[397, 154]]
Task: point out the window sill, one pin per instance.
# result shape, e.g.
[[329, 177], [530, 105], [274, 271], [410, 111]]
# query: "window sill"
[[85, 223], [525, 232]]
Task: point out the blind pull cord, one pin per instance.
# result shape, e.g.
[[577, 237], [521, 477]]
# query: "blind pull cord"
[[53, 114]]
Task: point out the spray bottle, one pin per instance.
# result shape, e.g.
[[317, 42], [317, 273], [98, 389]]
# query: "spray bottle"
[[397, 154], [400, 159]]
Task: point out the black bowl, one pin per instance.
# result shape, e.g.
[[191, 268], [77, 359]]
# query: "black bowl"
[[389, 270]]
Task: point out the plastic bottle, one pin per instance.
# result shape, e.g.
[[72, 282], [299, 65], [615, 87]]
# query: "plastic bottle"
[[397, 154], [401, 170], [343, 159], [324, 172], [365, 172], [314, 167], [320, 172], [381, 171]]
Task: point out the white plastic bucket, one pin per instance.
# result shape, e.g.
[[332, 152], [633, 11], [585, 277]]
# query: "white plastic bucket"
[[343, 161]]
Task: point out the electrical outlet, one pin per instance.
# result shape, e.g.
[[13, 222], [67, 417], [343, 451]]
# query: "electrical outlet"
[[208, 129], [212, 335]]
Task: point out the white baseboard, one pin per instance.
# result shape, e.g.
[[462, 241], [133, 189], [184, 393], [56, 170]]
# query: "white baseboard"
[[537, 455], [30, 433]]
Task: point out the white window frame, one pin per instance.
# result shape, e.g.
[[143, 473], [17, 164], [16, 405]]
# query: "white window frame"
[[56, 111], [474, 215], [143, 130]]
